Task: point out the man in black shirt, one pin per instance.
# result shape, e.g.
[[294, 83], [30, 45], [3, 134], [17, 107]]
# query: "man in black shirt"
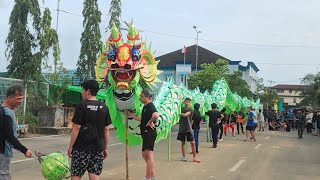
[[214, 118], [196, 119], [8, 132], [148, 131], [90, 134]]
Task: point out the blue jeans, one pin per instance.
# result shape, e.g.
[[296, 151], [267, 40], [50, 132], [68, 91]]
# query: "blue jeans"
[[196, 138]]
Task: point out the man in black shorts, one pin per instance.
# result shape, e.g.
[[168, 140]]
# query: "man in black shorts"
[[148, 131], [90, 134], [185, 131]]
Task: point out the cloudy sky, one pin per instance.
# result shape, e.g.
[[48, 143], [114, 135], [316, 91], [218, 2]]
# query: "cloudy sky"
[[282, 37]]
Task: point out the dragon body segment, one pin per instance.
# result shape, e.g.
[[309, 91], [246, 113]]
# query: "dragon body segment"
[[129, 67]]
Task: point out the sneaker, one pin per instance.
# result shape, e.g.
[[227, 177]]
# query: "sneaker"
[[184, 158], [144, 178], [221, 140], [153, 178], [233, 135], [214, 146]]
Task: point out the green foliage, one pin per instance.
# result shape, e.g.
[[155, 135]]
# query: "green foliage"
[[238, 85], [115, 13], [23, 42], [204, 79], [29, 119], [268, 98], [90, 40], [311, 90]]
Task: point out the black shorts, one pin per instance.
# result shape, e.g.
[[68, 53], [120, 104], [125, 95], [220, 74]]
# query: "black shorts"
[[250, 128], [82, 161], [148, 138], [182, 136]]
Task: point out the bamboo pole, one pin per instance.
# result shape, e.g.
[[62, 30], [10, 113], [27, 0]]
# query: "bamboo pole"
[[127, 149]]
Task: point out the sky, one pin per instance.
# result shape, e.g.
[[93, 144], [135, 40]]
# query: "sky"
[[282, 37]]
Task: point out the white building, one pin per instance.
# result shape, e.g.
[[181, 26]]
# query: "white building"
[[174, 66]]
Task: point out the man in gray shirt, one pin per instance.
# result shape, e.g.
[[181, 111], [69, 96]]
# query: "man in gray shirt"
[[185, 131]]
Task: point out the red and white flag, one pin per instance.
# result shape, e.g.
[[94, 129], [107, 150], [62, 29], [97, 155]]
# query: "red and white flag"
[[184, 50]]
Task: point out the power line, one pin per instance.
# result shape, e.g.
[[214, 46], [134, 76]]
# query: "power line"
[[283, 64], [201, 39]]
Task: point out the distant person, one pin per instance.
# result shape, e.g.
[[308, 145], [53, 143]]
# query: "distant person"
[[8, 131], [240, 120], [230, 124], [309, 118], [301, 121], [90, 134], [222, 122], [260, 118], [250, 125], [214, 118], [196, 119], [185, 131], [291, 119]]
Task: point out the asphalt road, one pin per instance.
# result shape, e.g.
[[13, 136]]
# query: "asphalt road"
[[275, 156]]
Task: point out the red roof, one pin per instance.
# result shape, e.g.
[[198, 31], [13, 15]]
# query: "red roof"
[[288, 86]]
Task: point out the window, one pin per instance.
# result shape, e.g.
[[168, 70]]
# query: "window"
[[294, 100], [290, 91], [182, 78], [280, 91]]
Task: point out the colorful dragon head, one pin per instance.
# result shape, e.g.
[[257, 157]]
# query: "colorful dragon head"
[[123, 64]]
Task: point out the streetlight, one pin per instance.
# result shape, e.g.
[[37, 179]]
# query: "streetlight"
[[195, 28]]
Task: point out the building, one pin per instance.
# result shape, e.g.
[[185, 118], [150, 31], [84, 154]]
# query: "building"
[[172, 65], [249, 73], [291, 94]]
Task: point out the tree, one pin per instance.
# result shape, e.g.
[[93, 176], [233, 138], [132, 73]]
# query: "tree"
[[269, 97], [311, 90], [204, 79], [238, 85], [90, 40], [115, 13], [22, 42]]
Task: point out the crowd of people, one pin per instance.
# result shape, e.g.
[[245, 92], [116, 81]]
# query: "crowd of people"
[[90, 133], [298, 119]]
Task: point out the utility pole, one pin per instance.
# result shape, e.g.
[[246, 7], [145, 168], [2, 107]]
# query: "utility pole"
[[197, 39], [268, 91], [57, 25]]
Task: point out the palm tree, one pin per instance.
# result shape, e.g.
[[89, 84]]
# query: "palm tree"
[[311, 90]]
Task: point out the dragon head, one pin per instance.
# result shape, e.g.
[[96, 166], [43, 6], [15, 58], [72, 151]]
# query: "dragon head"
[[123, 64]]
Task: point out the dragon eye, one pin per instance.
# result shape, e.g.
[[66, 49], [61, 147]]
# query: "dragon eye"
[[115, 66], [127, 66], [135, 54]]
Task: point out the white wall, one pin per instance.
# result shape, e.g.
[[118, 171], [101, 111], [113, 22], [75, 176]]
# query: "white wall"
[[182, 70]]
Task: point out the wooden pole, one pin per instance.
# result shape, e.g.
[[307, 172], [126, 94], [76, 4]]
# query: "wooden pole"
[[127, 149], [169, 146]]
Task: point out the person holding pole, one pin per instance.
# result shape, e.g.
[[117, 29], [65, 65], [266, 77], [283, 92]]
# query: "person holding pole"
[[148, 131], [185, 131]]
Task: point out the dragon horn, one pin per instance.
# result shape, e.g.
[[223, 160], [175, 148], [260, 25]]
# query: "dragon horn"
[[115, 35], [133, 34]]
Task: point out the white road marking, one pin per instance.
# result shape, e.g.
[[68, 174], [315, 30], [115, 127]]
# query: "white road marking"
[[23, 160], [267, 137], [257, 146], [236, 166]]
